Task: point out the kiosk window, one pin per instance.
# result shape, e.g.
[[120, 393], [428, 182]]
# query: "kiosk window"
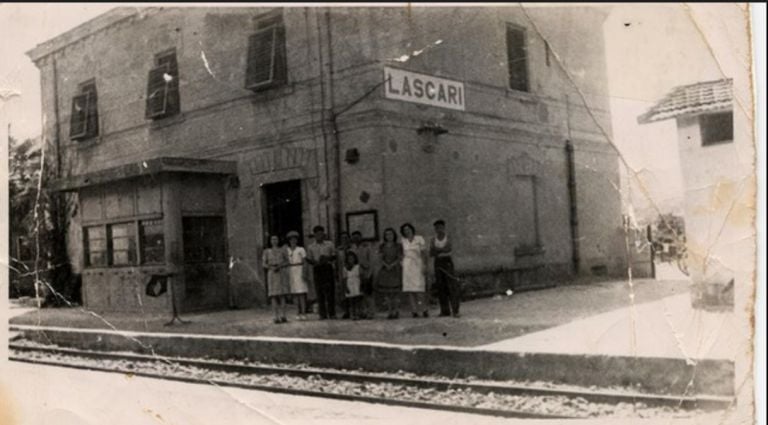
[[95, 246], [152, 242], [122, 243]]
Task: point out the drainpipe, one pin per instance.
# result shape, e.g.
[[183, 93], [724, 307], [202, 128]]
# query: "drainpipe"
[[56, 126], [323, 126], [334, 125], [574, 219], [333, 118]]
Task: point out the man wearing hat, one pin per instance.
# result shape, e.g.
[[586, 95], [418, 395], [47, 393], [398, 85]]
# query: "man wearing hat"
[[448, 287], [321, 255]]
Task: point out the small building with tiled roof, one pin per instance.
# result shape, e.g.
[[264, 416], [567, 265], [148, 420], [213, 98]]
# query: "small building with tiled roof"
[[705, 97], [711, 150]]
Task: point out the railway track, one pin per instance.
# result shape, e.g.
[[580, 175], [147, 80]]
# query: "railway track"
[[485, 398]]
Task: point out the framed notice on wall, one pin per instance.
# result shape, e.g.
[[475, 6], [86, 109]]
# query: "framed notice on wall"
[[365, 222]]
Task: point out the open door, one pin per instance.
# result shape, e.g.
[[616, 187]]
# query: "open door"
[[283, 210]]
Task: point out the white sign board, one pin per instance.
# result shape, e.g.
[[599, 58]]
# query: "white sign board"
[[424, 89]]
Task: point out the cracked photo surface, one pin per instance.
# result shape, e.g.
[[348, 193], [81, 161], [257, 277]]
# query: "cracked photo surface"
[[289, 213]]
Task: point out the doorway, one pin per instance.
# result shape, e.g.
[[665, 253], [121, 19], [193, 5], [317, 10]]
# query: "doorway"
[[283, 210], [205, 263]]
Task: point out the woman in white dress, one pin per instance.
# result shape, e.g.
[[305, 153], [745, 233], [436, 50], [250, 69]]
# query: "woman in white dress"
[[415, 270], [295, 266]]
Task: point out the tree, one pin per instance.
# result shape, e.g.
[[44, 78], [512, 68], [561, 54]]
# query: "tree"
[[23, 181], [38, 224]]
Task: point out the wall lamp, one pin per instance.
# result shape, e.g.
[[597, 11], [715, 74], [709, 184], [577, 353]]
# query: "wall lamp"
[[432, 128]]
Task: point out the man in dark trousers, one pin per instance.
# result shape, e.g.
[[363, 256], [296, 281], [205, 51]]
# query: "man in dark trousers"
[[321, 254], [447, 286]]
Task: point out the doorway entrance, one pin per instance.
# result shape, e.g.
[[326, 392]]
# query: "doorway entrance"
[[205, 263], [283, 210]]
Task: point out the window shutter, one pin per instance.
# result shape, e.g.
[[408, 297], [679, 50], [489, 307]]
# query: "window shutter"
[[78, 127], [172, 90], [281, 71], [266, 58], [517, 59], [92, 119], [157, 92]]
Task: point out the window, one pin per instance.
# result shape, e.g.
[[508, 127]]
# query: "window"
[[266, 62], [84, 122], [517, 58], [163, 87], [24, 249], [95, 246], [122, 244], [526, 209], [547, 53], [152, 242], [716, 128], [115, 244], [203, 241]]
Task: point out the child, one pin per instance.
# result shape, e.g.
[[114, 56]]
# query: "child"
[[278, 288], [352, 284], [295, 270]]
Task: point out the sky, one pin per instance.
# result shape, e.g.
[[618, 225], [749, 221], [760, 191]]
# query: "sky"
[[649, 50], [22, 27]]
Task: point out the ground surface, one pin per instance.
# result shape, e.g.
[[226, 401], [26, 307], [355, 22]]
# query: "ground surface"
[[41, 395], [484, 321], [668, 327]]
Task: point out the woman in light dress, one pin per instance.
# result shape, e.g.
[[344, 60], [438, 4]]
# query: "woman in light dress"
[[415, 270], [274, 260], [295, 269]]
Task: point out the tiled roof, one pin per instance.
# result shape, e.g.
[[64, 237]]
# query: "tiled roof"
[[708, 96]]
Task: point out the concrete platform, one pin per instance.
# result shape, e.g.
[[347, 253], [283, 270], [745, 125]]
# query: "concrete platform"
[[669, 327], [483, 321], [581, 334]]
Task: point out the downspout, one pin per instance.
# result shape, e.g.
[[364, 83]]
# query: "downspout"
[[323, 130], [574, 219], [56, 126], [334, 125], [572, 206]]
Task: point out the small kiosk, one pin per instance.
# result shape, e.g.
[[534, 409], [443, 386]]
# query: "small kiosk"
[[158, 217]]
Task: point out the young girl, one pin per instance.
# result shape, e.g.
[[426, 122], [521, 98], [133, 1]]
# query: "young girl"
[[389, 279], [274, 259], [352, 284], [295, 267]]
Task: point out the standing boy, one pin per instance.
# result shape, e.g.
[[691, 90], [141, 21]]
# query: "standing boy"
[[448, 288], [321, 255]]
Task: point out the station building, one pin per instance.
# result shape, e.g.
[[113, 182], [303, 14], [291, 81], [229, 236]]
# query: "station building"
[[185, 136]]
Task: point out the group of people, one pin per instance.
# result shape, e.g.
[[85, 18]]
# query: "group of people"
[[398, 266]]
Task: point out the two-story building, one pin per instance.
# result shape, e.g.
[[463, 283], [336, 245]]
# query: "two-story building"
[[187, 135], [716, 156]]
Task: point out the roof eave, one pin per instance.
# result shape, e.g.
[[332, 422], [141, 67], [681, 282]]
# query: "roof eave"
[[147, 167], [99, 23]]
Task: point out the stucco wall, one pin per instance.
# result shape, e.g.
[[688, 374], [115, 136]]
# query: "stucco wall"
[[719, 203], [334, 59]]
